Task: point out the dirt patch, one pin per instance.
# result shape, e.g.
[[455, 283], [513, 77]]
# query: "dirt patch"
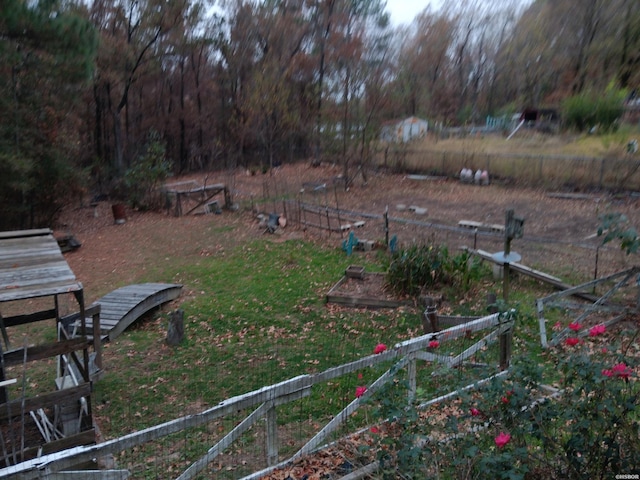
[[560, 233]]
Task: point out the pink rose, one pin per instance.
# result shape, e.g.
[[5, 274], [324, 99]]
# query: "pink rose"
[[502, 439], [597, 330], [434, 344], [381, 347], [621, 370], [360, 391], [575, 326]]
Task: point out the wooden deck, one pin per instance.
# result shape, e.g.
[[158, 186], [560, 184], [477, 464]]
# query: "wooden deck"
[[120, 308]]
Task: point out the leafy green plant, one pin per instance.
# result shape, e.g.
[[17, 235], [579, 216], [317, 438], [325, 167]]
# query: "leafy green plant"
[[418, 267], [616, 226]]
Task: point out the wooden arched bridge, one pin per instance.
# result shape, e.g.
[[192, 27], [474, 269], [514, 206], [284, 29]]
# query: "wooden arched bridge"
[[123, 306]]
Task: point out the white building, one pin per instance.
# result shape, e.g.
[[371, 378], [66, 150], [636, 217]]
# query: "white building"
[[404, 130]]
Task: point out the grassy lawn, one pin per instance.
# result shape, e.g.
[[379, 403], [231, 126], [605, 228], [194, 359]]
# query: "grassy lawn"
[[257, 316]]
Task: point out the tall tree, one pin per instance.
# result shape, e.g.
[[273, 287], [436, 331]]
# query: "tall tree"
[[47, 52], [131, 31]]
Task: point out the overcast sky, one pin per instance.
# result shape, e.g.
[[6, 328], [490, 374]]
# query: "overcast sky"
[[404, 11]]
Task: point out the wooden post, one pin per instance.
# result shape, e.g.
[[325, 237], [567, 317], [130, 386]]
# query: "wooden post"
[[386, 226], [507, 250], [491, 303], [430, 317], [175, 331], [541, 323], [505, 349], [272, 437], [178, 210], [97, 341]]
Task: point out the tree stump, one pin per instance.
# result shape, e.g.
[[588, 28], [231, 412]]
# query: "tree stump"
[[175, 332]]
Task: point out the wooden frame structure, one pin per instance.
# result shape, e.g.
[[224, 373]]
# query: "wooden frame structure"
[[200, 194], [264, 401], [32, 267]]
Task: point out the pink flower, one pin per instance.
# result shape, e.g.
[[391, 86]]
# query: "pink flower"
[[381, 347], [502, 439], [360, 376], [434, 344], [607, 373], [557, 326], [475, 412], [604, 350], [374, 430], [572, 341], [597, 330], [575, 326], [360, 391], [621, 370]]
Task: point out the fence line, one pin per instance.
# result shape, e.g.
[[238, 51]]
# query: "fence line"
[[266, 399], [549, 171]]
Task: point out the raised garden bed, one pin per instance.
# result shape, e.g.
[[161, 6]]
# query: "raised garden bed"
[[358, 288]]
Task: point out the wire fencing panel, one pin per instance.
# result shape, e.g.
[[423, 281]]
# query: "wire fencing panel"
[[547, 171]]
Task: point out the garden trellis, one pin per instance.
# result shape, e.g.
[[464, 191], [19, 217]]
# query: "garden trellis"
[[265, 401]]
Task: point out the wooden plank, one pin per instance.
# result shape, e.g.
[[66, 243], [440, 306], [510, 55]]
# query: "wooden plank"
[[88, 475], [46, 400], [44, 351], [421, 343], [35, 291], [25, 233], [29, 318], [487, 227], [538, 275], [334, 296], [87, 437]]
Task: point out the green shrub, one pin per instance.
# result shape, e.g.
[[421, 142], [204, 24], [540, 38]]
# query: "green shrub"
[[150, 170], [420, 267], [584, 111]]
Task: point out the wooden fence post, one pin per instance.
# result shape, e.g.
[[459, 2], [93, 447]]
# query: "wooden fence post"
[[272, 437], [430, 317], [505, 349]]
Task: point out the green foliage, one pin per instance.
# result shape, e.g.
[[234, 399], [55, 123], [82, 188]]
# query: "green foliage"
[[47, 52], [615, 226], [141, 182], [584, 111], [419, 267]]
